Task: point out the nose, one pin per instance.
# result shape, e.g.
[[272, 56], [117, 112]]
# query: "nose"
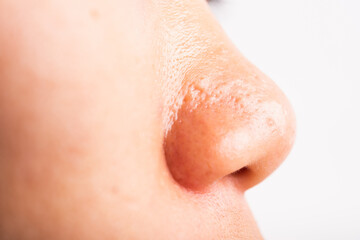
[[242, 129], [230, 121]]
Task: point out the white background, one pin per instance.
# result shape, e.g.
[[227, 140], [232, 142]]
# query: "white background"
[[311, 49]]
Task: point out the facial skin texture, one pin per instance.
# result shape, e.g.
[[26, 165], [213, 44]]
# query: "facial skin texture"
[[131, 120]]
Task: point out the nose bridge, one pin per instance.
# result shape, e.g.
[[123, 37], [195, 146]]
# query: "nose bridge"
[[196, 54]]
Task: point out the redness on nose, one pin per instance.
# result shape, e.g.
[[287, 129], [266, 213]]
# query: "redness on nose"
[[246, 138]]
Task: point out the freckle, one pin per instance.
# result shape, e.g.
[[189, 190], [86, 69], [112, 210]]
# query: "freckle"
[[114, 190], [94, 14]]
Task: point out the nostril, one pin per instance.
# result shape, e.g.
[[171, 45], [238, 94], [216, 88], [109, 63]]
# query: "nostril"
[[241, 171], [240, 177]]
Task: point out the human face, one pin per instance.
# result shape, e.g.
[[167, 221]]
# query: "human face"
[[131, 120]]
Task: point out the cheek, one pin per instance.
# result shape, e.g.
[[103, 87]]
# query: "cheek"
[[80, 139]]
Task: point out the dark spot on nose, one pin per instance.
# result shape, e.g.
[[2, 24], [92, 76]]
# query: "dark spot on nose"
[[94, 14], [114, 190]]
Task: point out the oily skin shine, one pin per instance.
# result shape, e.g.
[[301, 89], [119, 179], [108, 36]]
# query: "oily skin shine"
[[131, 120]]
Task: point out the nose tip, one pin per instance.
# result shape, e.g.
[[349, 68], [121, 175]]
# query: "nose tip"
[[242, 129], [254, 149]]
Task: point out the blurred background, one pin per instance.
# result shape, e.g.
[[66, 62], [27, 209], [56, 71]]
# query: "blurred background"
[[311, 49]]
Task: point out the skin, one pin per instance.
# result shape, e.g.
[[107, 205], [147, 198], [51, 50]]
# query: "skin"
[[131, 120]]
